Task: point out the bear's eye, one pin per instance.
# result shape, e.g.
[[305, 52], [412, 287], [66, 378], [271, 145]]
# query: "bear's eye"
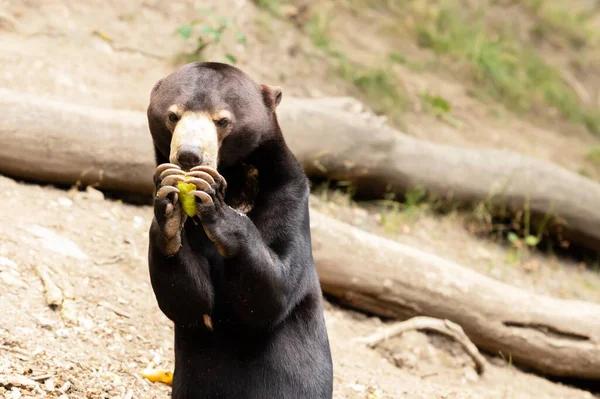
[[173, 117], [223, 122]]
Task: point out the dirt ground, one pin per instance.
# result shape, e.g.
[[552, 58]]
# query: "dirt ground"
[[95, 250], [110, 328]]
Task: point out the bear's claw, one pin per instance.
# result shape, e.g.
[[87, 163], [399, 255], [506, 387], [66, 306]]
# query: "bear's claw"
[[201, 185], [202, 175], [162, 167], [171, 172], [212, 172], [202, 196], [218, 180], [166, 190], [171, 180]]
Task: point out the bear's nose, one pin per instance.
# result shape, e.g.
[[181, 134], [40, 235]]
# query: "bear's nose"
[[188, 157]]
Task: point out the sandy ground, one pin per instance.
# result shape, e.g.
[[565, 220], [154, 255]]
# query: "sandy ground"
[[110, 327]]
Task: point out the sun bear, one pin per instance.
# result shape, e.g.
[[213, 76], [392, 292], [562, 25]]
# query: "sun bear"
[[237, 279]]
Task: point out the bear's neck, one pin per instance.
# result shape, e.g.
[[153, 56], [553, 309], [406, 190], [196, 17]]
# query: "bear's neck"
[[274, 160], [271, 166]]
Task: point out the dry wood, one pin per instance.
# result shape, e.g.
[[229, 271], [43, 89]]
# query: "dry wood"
[[341, 144], [21, 353], [118, 311], [380, 276], [445, 327], [16, 380], [51, 141], [60, 143], [54, 295]]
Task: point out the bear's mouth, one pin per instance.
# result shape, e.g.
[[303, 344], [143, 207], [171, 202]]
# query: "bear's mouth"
[[195, 141]]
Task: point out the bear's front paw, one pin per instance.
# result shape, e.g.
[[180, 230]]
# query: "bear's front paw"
[[210, 191], [217, 218], [168, 213]]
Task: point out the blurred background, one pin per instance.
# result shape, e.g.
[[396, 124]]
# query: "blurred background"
[[422, 105]]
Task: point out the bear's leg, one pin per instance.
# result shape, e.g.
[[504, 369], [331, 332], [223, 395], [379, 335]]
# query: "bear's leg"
[[180, 277], [168, 215]]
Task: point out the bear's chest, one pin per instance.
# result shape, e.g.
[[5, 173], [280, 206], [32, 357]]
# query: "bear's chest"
[[242, 187]]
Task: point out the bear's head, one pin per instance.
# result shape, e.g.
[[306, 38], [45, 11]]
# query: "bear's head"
[[210, 114]]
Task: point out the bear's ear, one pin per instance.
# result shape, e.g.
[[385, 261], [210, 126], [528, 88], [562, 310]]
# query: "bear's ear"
[[272, 95]]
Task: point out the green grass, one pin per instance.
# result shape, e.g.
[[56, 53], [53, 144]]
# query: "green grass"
[[398, 58], [318, 31], [572, 29], [272, 6], [207, 32], [593, 155], [503, 67], [439, 107], [395, 214], [378, 85]]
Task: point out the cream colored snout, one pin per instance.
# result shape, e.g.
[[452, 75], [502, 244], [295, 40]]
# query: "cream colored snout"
[[195, 141]]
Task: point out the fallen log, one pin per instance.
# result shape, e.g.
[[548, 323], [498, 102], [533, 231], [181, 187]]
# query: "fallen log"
[[51, 141], [338, 144], [389, 279]]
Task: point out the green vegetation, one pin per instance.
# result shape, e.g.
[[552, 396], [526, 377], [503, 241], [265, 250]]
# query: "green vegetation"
[[593, 155], [395, 214], [378, 85], [318, 32], [398, 58], [504, 68], [208, 32], [272, 6], [439, 107], [562, 27]]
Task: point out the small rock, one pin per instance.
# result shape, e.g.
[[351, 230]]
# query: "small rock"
[[62, 333], [93, 194], [65, 202], [15, 393], [56, 243], [63, 397], [360, 212], [38, 391], [496, 272], [357, 387], [6, 263], [44, 322], [138, 222], [86, 323], [12, 279], [64, 388], [107, 215], [483, 253], [17, 380], [49, 385], [471, 375]]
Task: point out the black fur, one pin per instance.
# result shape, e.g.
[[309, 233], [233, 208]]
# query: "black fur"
[[254, 275]]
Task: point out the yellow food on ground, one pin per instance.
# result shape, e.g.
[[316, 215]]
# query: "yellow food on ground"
[[188, 202], [158, 375]]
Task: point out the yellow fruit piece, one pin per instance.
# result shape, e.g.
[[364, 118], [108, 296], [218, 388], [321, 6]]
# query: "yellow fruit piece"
[[158, 375], [188, 202]]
